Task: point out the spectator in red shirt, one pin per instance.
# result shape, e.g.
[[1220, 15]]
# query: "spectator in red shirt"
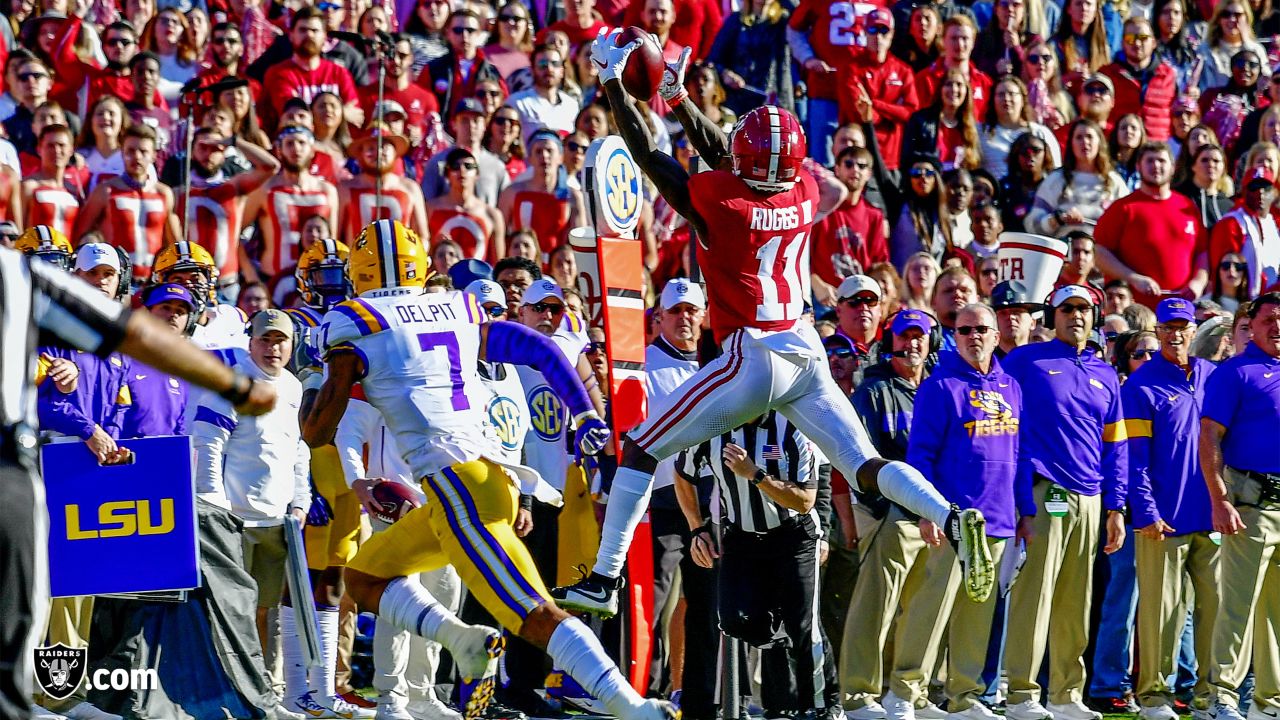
[[1096, 100], [823, 40], [1250, 231], [580, 23], [226, 57], [958, 36], [880, 89], [854, 236], [398, 87], [454, 76], [695, 26], [1144, 85], [1153, 238], [306, 74], [752, 56]]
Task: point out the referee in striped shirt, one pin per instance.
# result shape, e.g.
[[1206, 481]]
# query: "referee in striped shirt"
[[767, 481], [36, 296]]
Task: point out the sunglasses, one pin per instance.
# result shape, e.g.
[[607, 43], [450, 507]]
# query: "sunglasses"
[[464, 30], [512, 19], [544, 64], [1229, 265], [1133, 38], [1037, 58], [1232, 14], [596, 347], [1111, 335], [495, 311], [575, 147], [1143, 354], [856, 301], [1097, 90], [860, 164], [499, 120], [464, 165], [971, 329], [993, 272], [840, 353], [28, 76], [123, 42], [328, 6], [1073, 308], [878, 30], [553, 308], [923, 172], [489, 93], [226, 40]]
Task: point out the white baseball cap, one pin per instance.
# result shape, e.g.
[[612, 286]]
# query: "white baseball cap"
[[1066, 292], [540, 290], [682, 290], [92, 255], [487, 291], [855, 284]]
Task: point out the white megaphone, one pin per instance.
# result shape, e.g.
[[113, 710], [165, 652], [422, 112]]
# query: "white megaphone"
[[1033, 260]]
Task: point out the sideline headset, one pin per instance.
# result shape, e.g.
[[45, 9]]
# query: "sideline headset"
[[193, 316], [935, 332], [1083, 292]]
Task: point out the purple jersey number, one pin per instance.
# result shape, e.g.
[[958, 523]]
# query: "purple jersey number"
[[431, 341]]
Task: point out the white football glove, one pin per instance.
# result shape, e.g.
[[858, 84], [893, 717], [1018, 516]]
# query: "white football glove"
[[608, 58], [672, 86]]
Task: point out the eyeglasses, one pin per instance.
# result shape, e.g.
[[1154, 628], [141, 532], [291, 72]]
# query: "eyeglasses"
[[1237, 266], [595, 347], [1143, 354], [29, 76], [124, 42], [1134, 38], [553, 308], [878, 30], [923, 172], [971, 329], [855, 301], [544, 64], [512, 19], [840, 352], [464, 30], [464, 165], [1037, 58]]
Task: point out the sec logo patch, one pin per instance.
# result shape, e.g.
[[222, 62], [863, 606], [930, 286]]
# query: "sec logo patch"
[[546, 413], [504, 416]]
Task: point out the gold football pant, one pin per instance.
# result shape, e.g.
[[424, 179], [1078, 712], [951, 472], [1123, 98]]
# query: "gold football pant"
[[332, 545]]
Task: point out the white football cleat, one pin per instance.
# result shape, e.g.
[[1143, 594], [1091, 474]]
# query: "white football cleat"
[[1028, 710]]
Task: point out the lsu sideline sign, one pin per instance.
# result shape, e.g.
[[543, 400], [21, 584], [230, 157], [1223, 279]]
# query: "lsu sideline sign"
[[121, 528]]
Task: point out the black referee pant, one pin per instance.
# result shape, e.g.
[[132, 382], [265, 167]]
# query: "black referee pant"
[[769, 599], [22, 599]]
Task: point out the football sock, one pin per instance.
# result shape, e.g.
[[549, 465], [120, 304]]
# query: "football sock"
[[905, 485], [409, 606], [295, 669], [575, 649], [628, 500], [322, 678]]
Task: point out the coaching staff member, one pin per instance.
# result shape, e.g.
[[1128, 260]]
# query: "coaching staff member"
[[1241, 465], [36, 296]]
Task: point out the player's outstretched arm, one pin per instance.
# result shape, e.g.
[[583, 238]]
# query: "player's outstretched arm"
[[321, 424]]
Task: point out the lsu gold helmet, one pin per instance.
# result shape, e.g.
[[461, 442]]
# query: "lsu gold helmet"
[[186, 256], [46, 244], [387, 255], [321, 274]]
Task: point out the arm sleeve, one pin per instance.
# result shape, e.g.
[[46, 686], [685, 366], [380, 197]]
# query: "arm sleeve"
[[798, 41], [823, 501], [517, 344], [76, 313], [302, 477], [1137, 424], [355, 429], [1115, 452], [928, 431], [212, 424]]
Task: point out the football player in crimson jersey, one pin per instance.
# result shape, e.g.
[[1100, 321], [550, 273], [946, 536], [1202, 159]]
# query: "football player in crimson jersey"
[[359, 202], [752, 214], [459, 215], [218, 200]]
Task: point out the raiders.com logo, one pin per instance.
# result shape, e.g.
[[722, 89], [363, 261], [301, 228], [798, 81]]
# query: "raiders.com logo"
[[61, 669]]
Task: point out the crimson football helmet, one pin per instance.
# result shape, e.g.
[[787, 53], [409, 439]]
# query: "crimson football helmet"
[[768, 146]]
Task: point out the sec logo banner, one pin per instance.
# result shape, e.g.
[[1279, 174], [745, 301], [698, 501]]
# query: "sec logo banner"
[[613, 184]]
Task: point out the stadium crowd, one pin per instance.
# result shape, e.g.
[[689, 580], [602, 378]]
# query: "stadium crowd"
[[211, 162]]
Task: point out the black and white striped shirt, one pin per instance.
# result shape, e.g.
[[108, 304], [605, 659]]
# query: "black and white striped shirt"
[[776, 446], [36, 296]]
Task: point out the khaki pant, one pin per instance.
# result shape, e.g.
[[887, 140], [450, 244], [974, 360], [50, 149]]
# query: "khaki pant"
[[1049, 602], [889, 576], [924, 621], [1162, 610], [1250, 584]]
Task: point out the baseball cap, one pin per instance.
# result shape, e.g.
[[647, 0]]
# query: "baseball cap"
[[488, 291], [838, 342], [465, 272], [387, 108], [908, 319], [1261, 176], [168, 291], [468, 105], [1066, 292], [879, 18], [264, 321], [541, 290], [1099, 79], [681, 290], [855, 284], [1171, 309], [92, 255]]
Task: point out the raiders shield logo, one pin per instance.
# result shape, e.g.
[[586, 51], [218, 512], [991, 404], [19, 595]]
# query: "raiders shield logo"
[[60, 669]]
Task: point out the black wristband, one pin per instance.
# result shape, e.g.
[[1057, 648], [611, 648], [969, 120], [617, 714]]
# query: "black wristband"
[[238, 393], [706, 528], [759, 477], [526, 502]]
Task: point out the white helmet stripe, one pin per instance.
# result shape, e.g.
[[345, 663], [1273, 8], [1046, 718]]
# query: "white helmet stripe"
[[775, 141], [386, 234]]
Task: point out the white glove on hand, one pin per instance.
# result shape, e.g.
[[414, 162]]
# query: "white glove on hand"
[[608, 58], [672, 86]]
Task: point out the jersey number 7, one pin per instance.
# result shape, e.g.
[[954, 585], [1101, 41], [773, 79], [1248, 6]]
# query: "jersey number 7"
[[431, 341]]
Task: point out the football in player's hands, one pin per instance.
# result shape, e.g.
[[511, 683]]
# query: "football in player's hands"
[[642, 72], [393, 500]]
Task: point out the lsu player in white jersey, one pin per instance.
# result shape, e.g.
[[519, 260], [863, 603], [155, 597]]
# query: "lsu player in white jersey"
[[217, 326], [416, 356]]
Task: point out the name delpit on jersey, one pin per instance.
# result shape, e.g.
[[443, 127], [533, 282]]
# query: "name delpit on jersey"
[[61, 669]]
